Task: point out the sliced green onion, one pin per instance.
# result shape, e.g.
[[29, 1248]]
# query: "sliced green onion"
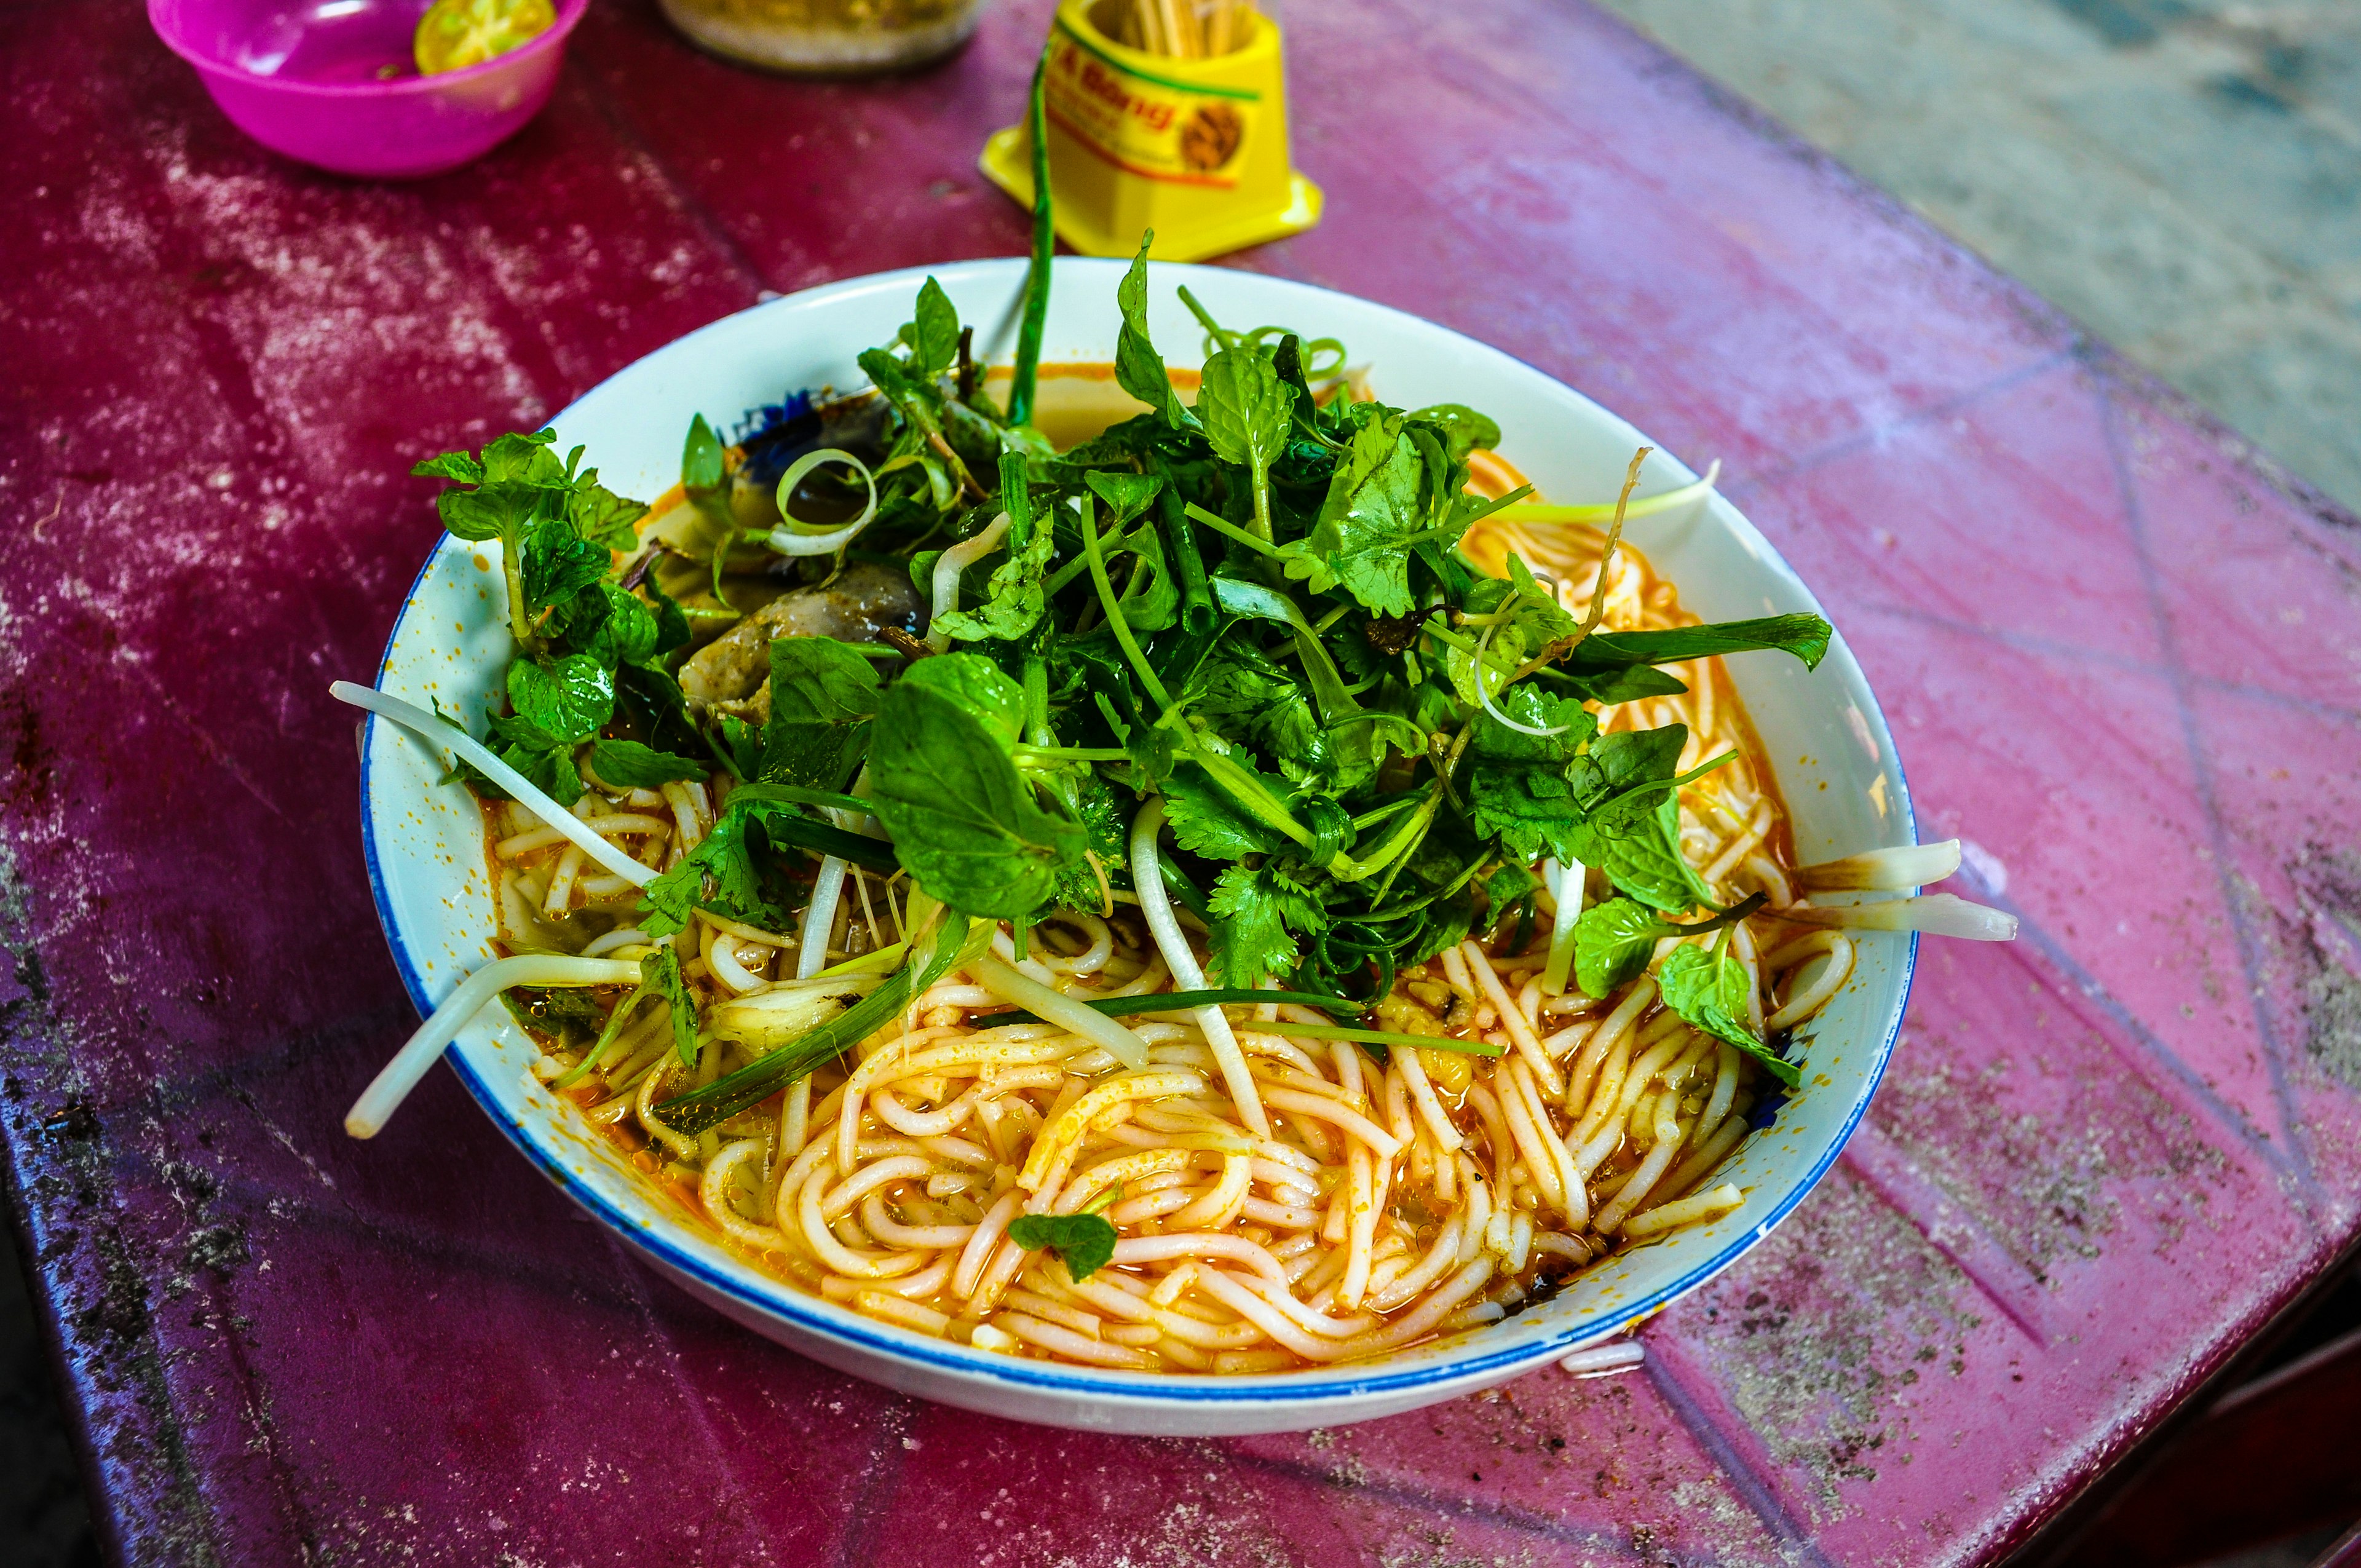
[[1384, 1037], [1190, 1001], [794, 538], [1542, 512], [1565, 885]]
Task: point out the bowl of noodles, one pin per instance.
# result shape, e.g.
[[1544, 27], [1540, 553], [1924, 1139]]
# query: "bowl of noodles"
[[1133, 890]]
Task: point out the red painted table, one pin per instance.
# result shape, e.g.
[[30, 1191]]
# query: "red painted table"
[[2121, 654]]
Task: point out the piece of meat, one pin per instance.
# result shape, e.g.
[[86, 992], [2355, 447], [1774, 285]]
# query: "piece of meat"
[[853, 607]]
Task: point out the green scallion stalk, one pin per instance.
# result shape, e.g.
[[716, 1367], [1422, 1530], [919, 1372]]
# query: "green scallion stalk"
[[956, 941], [1045, 244], [1115, 621]]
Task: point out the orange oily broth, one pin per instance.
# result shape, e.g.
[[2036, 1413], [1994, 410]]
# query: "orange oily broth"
[[1422, 1001]]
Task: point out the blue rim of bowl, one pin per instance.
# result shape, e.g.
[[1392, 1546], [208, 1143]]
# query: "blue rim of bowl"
[[568, 14], [785, 1302]]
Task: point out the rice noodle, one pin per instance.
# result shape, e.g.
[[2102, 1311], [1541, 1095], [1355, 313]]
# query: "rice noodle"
[[1279, 1202]]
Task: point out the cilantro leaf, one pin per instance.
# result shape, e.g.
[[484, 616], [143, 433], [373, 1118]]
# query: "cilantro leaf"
[[1207, 822], [1106, 814], [1139, 368], [570, 1013], [1257, 917], [1014, 601], [627, 764], [719, 873], [1248, 697], [947, 787], [567, 699], [1084, 1243], [660, 977], [1709, 987]]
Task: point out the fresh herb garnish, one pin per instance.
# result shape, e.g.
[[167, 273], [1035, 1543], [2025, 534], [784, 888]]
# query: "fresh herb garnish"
[[1710, 987], [1084, 1243], [1255, 609]]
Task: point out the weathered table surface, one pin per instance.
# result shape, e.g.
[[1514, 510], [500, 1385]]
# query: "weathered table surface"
[[2123, 658]]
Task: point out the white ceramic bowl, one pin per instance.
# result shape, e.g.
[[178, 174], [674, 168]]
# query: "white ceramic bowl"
[[424, 842]]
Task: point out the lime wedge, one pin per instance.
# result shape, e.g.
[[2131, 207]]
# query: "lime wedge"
[[456, 34]]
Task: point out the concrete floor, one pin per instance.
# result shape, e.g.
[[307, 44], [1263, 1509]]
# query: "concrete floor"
[[2183, 176]]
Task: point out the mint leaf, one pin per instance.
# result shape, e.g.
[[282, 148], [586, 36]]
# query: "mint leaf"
[[1632, 829], [1259, 913], [519, 456], [1463, 429], [456, 465], [1496, 743], [1139, 368], [1515, 785], [1085, 1242], [1377, 506], [627, 764], [568, 700], [629, 633], [1708, 987], [934, 336], [1613, 941], [1247, 411], [488, 511], [947, 787], [822, 695], [602, 517]]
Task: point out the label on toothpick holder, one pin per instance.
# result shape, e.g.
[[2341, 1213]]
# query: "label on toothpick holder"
[[1158, 130], [1194, 148]]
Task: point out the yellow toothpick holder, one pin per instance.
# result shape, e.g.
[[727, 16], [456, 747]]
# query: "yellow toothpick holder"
[[1196, 149]]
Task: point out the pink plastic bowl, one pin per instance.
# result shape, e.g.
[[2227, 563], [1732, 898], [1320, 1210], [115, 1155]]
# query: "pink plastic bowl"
[[301, 77]]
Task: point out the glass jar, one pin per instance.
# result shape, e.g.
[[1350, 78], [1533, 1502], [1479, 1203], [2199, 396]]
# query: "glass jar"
[[827, 38]]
